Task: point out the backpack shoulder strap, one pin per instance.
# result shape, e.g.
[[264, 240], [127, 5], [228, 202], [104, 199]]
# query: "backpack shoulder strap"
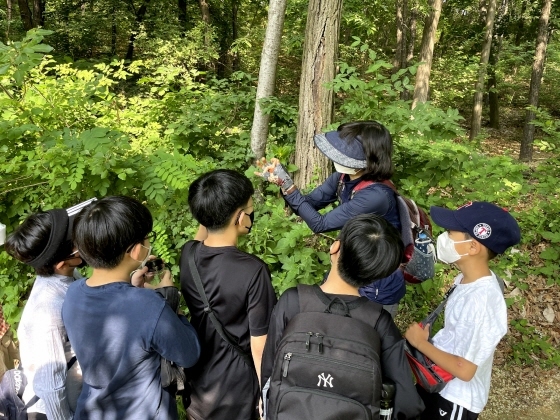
[[313, 299]]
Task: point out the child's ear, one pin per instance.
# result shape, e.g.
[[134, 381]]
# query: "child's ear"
[[60, 265], [335, 247], [475, 248]]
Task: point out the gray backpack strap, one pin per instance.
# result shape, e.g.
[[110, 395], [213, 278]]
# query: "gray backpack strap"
[[313, 299]]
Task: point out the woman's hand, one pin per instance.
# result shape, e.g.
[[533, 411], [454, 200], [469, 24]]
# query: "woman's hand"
[[274, 172]]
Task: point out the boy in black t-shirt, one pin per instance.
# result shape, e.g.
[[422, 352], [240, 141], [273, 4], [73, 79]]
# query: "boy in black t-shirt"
[[368, 248], [239, 291]]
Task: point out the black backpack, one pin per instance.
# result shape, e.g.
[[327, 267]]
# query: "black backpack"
[[12, 386], [327, 365]]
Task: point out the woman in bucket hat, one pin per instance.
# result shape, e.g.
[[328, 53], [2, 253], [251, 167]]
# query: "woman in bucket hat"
[[360, 151]]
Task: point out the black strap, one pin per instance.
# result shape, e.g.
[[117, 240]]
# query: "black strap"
[[35, 398], [190, 249], [430, 319]]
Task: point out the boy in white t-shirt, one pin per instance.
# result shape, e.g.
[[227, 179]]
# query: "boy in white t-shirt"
[[475, 314]]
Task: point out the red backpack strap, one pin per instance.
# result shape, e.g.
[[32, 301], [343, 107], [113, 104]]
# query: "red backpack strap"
[[366, 183]]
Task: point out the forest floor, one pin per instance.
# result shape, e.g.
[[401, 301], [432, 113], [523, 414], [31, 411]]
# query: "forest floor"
[[524, 392]]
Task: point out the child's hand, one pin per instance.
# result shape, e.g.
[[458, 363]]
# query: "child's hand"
[[416, 334]]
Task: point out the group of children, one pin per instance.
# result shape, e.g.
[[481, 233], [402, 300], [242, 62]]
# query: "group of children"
[[119, 329]]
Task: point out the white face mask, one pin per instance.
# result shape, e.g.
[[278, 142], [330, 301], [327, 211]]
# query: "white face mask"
[[345, 170], [446, 251]]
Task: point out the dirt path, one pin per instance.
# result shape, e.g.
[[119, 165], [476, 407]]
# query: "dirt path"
[[523, 393]]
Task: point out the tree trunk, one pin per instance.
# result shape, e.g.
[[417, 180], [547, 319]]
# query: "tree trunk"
[[267, 74], [520, 24], [411, 39], [526, 152], [493, 83], [38, 13], [315, 100], [234, 34], [182, 14], [486, 46], [400, 47], [26, 15], [206, 18], [427, 52], [8, 17], [140, 14]]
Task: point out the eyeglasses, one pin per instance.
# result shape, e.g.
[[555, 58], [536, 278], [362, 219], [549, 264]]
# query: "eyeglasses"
[[75, 254]]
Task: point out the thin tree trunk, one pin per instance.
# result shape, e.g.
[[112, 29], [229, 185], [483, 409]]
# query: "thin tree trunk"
[[520, 24], [411, 39], [427, 52], [206, 18], [526, 151], [484, 56], [315, 100], [493, 98], [140, 14], [8, 17], [267, 74], [401, 43], [25, 14], [182, 14], [234, 34]]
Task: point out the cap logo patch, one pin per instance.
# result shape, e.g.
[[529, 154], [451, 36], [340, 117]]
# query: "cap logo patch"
[[482, 231]]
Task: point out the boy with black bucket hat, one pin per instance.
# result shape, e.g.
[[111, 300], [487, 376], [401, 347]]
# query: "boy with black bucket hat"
[[475, 314]]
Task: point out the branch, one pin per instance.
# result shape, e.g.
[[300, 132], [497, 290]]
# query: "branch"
[[25, 186]]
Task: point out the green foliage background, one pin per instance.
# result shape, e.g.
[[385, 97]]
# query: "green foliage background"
[[71, 129]]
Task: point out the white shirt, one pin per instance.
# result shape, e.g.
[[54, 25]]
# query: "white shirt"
[[45, 350], [475, 322]]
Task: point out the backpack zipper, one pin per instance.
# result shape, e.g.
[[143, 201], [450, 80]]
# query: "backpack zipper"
[[285, 364], [288, 358], [307, 341], [320, 337]]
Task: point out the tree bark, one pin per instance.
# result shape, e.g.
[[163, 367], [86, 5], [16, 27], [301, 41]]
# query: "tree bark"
[[25, 14], [315, 100], [38, 13], [484, 56], [400, 47], [411, 39], [493, 98], [140, 14], [427, 52], [267, 74], [8, 17], [206, 18], [526, 151]]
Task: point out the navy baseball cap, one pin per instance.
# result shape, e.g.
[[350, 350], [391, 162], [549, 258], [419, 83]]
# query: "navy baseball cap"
[[492, 226], [345, 152]]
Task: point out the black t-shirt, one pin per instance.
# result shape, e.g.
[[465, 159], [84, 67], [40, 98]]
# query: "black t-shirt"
[[240, 292], [394, 365]]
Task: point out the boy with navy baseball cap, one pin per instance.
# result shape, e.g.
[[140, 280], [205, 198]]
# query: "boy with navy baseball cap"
[[475, 314]]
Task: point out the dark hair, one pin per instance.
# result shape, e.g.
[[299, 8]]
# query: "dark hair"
[[215, 196], [370, 249], [378, 147], [30, 239], [106, 229], [491, 254]]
